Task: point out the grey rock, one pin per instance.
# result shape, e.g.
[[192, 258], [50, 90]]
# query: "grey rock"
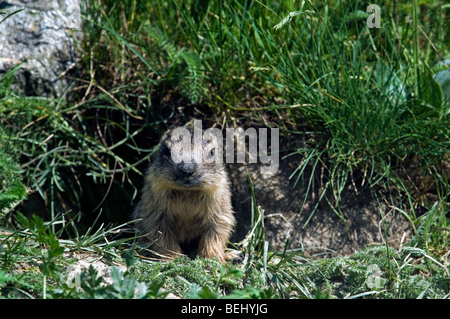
[[42, 38]]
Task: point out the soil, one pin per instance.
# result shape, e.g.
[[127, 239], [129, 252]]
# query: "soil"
[[321, 232]]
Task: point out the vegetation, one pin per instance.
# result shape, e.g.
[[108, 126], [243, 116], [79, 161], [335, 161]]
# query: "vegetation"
[[372, 102]]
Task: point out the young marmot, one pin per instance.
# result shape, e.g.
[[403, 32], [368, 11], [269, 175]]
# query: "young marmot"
[[186, 199]]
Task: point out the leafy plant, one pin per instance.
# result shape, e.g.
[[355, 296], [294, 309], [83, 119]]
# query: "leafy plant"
[[12, 191], [123, 286], [49, 246]]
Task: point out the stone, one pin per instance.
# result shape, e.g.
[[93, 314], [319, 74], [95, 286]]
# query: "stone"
[[42, 38]]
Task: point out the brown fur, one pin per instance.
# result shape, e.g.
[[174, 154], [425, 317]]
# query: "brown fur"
[[172, 214]]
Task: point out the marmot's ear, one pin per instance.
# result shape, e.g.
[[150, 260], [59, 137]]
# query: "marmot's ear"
[[165, 135], [190, 124]]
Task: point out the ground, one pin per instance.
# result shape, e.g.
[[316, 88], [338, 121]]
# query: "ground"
[[325, 233]]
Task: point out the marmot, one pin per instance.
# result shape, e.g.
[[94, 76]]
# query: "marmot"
[[186, 198]]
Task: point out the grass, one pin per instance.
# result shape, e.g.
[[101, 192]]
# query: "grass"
[[368, 103], [35, 265]]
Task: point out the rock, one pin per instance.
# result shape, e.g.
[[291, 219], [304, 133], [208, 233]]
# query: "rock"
[[43, 38]]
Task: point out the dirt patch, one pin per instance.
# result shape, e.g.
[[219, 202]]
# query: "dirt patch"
[[322, 232]]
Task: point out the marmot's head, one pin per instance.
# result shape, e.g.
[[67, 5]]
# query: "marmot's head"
[[189, 159]]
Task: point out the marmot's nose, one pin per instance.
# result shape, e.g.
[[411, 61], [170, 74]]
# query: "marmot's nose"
[[187, 168]]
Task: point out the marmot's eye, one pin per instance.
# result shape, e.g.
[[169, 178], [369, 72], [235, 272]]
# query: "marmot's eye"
[[212, 152]]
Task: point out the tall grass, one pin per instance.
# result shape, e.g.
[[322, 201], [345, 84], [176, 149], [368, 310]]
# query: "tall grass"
[[354, 87]]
